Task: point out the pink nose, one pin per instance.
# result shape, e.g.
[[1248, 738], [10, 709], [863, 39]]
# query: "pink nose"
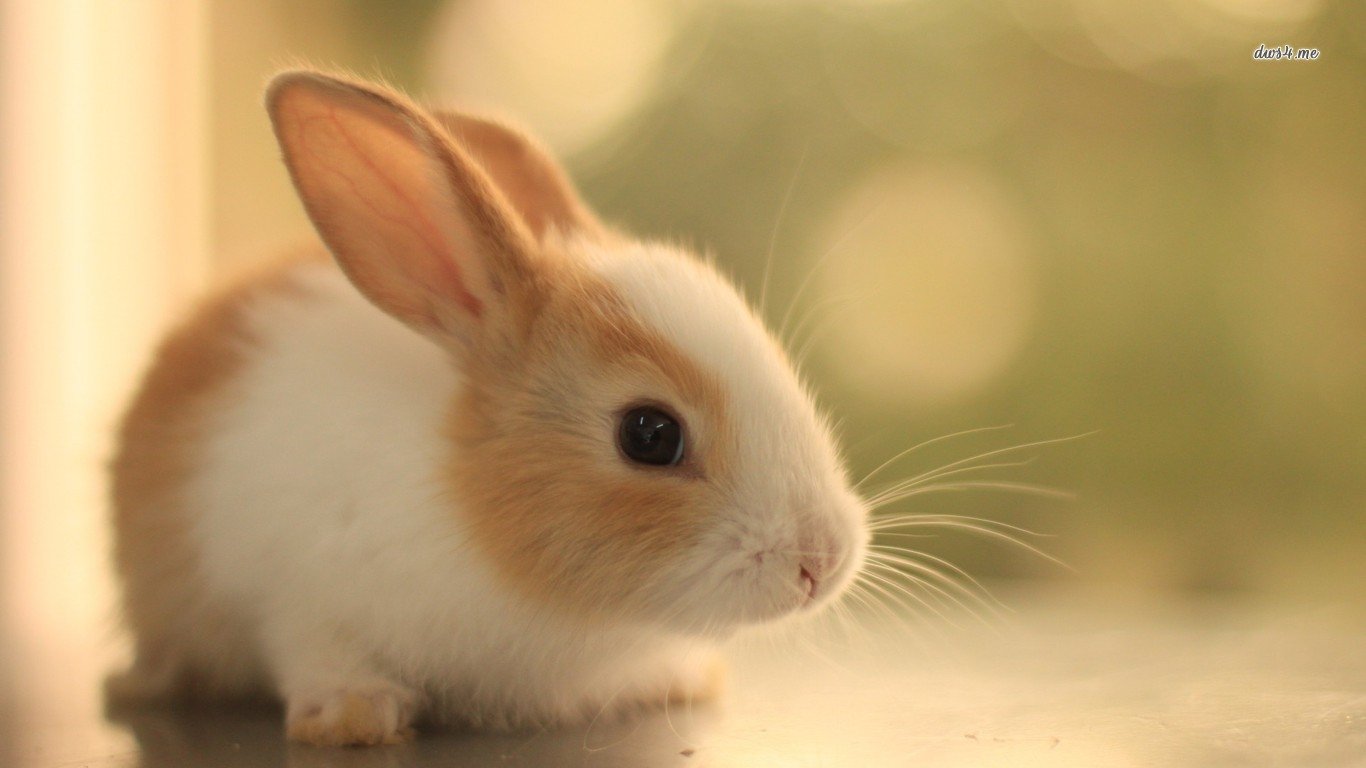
[[809, 583]]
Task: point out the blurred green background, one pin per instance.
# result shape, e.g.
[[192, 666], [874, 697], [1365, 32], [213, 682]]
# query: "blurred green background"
[[1065, 216]]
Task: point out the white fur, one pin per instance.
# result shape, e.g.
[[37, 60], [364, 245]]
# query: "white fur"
[[320, 515]]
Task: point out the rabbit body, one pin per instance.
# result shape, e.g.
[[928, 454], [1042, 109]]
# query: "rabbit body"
[[504, 466]]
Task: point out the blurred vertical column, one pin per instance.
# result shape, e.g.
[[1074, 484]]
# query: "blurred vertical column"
[[102, 233]]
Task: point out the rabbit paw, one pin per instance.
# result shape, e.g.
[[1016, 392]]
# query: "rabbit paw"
[[345, 717]]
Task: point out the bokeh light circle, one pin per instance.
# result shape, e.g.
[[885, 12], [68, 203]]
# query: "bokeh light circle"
[[568, 71], [936, 262]]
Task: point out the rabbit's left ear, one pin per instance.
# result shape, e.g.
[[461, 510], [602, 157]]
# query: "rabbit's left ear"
[[414, 222], [526, 173]]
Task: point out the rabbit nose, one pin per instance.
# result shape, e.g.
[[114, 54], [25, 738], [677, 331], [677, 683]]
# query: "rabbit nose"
[[811, 572], [808, 582]]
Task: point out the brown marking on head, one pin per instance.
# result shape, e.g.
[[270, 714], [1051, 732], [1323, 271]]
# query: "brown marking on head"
[[563, 516]]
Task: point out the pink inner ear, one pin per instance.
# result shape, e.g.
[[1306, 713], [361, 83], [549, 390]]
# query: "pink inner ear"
[[385, 205]]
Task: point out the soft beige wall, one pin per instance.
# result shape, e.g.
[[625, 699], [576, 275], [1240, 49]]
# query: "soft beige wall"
[[103, 235], [255, 211], [138, 165]]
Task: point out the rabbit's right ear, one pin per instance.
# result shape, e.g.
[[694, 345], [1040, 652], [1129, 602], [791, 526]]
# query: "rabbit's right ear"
[[526, 173], [413, 221]]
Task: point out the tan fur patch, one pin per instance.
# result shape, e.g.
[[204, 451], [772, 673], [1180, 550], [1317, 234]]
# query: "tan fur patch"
[[563, 516], [174, 620]]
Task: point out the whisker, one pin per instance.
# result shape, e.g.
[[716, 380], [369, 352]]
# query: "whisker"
[[844, 617], [792, 303], [926, 444], [800, 353], [939, 474], [863, 595], [1013, 448], [1027, 489], [924, 519], [983, 598], [932, 592], [898, 576], [811, 313], [777, 226], [900, 622], [891, 566], [994, 533], [856, 592], [886, 585], [901, 554]]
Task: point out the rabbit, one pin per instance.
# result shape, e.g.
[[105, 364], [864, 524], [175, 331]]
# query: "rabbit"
[[476, 458]]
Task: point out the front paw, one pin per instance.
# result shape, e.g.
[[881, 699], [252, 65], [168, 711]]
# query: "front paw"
[[350, 717], [699, 683]]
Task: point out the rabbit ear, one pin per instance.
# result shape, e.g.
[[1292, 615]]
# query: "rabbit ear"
[[526, 173], [411, 219]]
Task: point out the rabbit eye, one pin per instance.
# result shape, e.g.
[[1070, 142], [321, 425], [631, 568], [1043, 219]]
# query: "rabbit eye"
[[651, 436]]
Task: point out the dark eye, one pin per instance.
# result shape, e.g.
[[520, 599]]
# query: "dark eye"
[[651, 436]]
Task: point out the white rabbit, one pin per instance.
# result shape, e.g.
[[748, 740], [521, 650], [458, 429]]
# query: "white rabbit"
[[505, 466]]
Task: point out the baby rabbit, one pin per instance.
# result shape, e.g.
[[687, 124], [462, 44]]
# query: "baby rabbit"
[[506, 466]]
